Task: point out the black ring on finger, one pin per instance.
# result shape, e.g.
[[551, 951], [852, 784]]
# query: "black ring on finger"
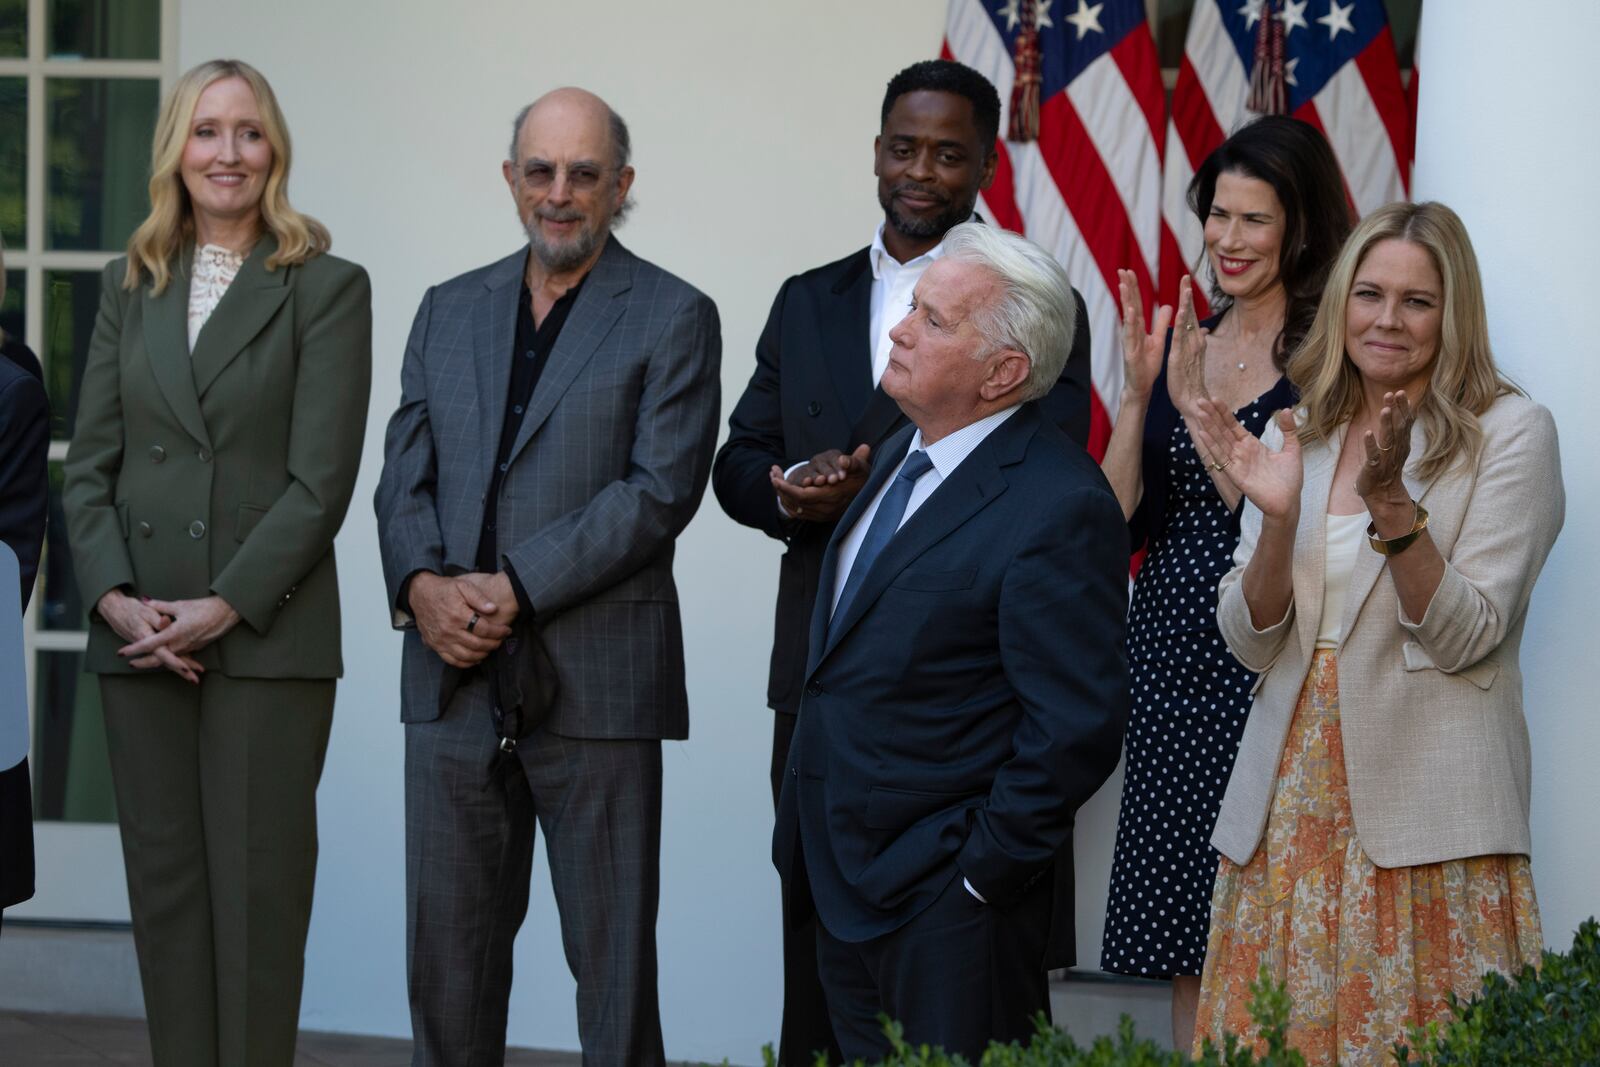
[[472, 622]]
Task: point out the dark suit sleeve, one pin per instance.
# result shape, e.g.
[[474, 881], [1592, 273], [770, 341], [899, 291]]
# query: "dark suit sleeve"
[[99, 551], [409, 538], [1067, 405], [24, 473], [635, 518], [1062, 608], [755, 438], [326, 431]]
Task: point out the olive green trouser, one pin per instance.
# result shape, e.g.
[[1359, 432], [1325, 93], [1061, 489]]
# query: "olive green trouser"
[[216, 795]]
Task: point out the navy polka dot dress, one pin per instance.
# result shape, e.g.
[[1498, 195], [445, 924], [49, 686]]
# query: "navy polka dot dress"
[[1190, 699]]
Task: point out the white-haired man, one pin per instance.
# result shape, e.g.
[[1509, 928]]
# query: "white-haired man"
[[966, 688]]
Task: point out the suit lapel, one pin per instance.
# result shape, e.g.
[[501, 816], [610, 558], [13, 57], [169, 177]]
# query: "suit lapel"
[[591, 319], [1369, 564], [165, 319], [253, 297], [882, 466], [847, 341], [494, 327], [971, 487]]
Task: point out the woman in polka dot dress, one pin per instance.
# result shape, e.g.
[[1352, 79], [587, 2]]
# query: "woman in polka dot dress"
[[1272, 205]]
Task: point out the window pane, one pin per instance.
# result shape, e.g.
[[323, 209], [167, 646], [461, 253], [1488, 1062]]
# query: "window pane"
[[71, 300], [105, 29], [13, 159], [97, 133], [72, 778], [60, 603], [13, 28], [12, 321]]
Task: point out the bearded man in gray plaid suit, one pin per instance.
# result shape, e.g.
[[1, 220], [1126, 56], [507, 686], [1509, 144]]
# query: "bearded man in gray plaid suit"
[[557, 419]]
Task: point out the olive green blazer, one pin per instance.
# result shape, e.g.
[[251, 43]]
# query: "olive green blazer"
[[227, 471]]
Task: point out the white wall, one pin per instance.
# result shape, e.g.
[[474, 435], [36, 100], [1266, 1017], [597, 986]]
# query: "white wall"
[[1502, 139]]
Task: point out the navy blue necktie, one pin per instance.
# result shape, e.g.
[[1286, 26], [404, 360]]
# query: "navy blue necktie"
[[887, 520]]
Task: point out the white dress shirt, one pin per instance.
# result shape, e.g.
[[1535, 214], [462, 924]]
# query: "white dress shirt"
[[892, 283]]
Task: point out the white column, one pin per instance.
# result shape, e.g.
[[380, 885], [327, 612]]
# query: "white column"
[[1507, 137]]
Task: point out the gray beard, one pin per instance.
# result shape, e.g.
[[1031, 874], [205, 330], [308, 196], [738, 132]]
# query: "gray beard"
[[567, 256]]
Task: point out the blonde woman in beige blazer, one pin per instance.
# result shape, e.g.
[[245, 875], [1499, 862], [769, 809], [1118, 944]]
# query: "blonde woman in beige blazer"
[[1375, 828]]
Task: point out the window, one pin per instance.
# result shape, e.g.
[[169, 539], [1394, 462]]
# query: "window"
[[80, 85]]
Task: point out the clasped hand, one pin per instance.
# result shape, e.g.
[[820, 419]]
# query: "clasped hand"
[[164, 633], [820, 489], [463, 618]]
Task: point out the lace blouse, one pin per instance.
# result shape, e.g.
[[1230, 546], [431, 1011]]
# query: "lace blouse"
[[214, 270]]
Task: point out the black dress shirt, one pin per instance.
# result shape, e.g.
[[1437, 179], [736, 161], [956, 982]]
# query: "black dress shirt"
[[529, 354]]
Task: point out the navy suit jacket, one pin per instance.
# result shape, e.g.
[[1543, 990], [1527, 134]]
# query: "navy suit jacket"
[[973, 693], [811, 391]]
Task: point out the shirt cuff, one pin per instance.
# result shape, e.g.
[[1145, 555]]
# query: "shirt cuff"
[[778, 499]]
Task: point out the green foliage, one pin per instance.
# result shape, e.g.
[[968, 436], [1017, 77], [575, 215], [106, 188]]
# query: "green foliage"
[[1549, 1017]]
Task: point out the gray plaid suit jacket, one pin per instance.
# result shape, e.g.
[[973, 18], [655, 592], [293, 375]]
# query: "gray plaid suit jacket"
[[609, 466]]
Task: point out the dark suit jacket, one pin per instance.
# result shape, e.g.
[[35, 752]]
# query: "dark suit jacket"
[[811, 391], [972, 694], [24, 498], [607, 469], [227, 470]]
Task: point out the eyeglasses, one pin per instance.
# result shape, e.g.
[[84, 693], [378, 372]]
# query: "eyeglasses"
[[581, 177]]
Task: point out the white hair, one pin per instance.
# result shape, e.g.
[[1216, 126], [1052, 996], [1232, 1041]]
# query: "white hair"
[[1035, 313]]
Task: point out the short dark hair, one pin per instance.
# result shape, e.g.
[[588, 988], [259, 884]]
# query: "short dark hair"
[[946, 76], [1294, 158]]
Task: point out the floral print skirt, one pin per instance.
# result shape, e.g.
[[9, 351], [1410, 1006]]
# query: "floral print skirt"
[[1363, 951]]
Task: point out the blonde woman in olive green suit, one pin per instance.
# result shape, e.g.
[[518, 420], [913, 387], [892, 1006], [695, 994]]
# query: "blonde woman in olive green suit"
[[218, 438]]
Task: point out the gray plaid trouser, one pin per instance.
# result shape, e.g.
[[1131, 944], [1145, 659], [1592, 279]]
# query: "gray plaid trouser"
[[469, 853]]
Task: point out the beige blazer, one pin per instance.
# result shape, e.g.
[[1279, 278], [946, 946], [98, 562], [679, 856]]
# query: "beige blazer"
[[1435, 742]]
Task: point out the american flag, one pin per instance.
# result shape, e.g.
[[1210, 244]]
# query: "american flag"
[[1341, 76], [1088, 180]]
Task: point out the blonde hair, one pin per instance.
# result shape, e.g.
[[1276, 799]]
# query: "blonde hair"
[[158, 240], [1465, 380]]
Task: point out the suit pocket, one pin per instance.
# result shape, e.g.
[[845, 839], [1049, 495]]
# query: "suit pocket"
[[1481, 674], [936, 581], [896, 809], [249, 515]]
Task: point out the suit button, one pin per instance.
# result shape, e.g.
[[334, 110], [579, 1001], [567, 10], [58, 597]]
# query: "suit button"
[[157, 453], [204, 455], [144, 529], [813, 409], [794, 772], [813, 689], [197, 529]]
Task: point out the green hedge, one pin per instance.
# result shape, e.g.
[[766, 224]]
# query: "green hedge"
[[1549, 1017]]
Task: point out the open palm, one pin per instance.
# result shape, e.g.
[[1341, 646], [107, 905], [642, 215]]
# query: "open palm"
[[1141, 351], [1271, 480]]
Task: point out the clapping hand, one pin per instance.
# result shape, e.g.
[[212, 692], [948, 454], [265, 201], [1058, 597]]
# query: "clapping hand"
[[1271, 480], [1380, 481], [1141, 351], [1186, 378]]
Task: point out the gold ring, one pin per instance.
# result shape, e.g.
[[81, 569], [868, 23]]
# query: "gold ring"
[[1219, 467], [1382, 449], [1188, 326], [472, 622]]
